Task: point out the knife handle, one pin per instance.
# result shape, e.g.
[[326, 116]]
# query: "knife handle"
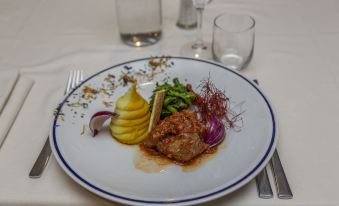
[[263, 185], [283, 188]]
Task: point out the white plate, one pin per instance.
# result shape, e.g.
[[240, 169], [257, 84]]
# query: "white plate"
[[105, 167]]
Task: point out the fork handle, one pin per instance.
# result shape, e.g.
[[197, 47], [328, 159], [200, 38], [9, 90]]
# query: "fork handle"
[[283, 188], [42, 161]]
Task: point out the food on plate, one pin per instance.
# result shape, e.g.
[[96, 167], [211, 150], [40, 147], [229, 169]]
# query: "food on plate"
[[178, 136], [186, 134], [215, 131], [182, 126], [177, 97], [156, 109], [213, 102], [131, 124], [98, 119]]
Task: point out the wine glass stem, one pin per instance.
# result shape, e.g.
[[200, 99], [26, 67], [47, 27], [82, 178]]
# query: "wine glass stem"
[[199, 42]]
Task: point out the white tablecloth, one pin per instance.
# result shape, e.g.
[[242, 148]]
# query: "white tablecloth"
[[295, 59]]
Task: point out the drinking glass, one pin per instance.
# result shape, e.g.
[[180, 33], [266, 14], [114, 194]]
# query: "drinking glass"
[[198, 48], [233, 40], [139, 21]]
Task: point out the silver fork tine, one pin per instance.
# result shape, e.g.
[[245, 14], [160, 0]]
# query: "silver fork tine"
[[78, 77], [81, 75], [74, 80], [68, 86], [42, 160]]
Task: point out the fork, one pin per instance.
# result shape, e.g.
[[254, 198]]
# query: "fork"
[[281, 182], [74, 79]]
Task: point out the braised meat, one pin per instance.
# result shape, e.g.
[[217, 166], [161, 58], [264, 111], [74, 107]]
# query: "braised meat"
[[178, 136], [182, 147]]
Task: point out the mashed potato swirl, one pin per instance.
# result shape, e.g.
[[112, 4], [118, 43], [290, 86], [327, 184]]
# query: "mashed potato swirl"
[[131, 125]]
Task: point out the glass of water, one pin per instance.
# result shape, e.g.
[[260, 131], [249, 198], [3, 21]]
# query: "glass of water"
[[139, 21], [233, 40]]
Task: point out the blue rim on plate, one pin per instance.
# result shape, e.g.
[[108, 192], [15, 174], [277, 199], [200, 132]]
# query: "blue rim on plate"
[[188, 200]]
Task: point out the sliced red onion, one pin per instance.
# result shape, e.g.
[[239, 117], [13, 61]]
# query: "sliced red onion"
[[215, 131], [98, 119]]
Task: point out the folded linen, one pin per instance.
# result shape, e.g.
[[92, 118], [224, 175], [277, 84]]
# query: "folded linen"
[[8, 79], [13, 105]]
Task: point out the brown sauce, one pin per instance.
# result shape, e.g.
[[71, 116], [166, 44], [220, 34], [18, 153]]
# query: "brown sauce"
[[151, 161]]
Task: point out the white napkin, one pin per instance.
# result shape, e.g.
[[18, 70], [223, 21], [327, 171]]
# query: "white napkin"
[[7, 81], [13, 105]]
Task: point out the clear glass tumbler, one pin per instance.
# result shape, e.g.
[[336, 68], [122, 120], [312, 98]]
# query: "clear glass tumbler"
[[233, 40], [139, 21]]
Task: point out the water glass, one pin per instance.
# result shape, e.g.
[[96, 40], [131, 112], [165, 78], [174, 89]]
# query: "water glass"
[[233, 40], [139, 21]]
